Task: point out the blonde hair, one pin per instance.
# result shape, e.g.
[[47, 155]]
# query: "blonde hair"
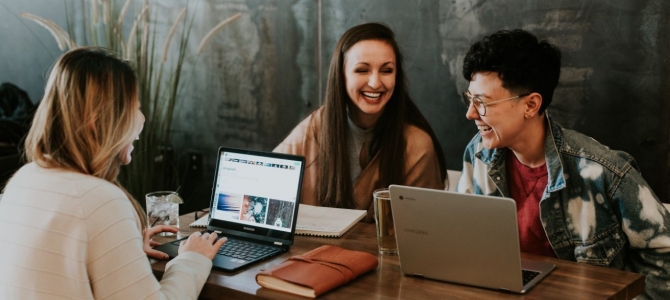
[[86, 117]]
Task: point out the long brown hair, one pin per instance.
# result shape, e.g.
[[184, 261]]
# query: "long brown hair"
[[334, 184], [86, 116]]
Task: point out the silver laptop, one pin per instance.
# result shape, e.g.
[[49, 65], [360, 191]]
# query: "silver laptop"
[[254, 204], [462, 238]]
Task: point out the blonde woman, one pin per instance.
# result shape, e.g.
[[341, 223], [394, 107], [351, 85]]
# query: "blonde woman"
[[68, 229]]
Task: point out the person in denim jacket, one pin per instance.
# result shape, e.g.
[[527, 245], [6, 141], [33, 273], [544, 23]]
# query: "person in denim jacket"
[[576, 199]]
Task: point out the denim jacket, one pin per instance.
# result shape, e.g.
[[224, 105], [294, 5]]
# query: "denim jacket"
[[596, 208]]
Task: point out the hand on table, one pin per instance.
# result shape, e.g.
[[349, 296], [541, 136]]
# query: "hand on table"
[[149, 243], [205, 244]]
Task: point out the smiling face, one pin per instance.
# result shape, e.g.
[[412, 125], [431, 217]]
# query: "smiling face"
[[503, 125], [370, 73], [126, 152]]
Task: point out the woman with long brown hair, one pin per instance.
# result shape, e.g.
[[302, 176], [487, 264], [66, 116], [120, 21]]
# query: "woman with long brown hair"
[[368, 134], [68, 228]]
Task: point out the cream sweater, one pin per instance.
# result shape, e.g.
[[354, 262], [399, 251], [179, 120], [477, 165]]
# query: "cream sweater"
[[66, 235]]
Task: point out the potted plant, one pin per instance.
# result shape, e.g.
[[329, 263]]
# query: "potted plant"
[[158, 55]]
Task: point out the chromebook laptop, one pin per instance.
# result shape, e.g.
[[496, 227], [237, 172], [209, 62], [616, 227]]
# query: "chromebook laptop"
[[462, 238], [254, 204]]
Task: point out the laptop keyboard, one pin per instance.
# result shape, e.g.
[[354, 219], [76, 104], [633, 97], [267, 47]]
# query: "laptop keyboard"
[[528, 275], [245, 250], [241, 249]]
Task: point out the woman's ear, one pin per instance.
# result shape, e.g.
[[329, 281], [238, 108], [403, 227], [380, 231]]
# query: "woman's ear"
[[533, 104]]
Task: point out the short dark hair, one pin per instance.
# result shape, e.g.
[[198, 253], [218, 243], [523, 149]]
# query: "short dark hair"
[[523, 63]]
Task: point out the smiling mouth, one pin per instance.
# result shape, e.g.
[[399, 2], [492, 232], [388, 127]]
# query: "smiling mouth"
[[372, 95], [484, 128]]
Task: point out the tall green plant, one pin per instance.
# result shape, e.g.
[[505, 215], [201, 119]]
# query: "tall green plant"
[[158, 66]]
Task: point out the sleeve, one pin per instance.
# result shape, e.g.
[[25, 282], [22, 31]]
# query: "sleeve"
[[422, 167], [118, 268], [646, 223]]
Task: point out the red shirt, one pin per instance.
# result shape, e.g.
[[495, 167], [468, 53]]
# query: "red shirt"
[[526, 186]]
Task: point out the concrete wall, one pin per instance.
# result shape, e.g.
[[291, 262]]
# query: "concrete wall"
[[260, 76]]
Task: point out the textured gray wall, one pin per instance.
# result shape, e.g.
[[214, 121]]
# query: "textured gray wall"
[[27, 51], [261, 75]]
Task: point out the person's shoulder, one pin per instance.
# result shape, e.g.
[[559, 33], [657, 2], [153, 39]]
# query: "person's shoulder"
[[577, 144], [417, 137], [301, 135], [309, 124], [474, 145], [57, 180], [108, 197], [67, 186]]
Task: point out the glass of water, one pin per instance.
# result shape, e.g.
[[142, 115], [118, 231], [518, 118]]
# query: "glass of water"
[[163, 209]]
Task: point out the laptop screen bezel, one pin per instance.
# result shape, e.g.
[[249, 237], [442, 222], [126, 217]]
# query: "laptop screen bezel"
[[277, 237]]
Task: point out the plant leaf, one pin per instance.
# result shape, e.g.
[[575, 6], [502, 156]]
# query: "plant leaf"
[[62, 38], [181, 15], [130, 45], [94, 11], [216, 29], [122, 15]]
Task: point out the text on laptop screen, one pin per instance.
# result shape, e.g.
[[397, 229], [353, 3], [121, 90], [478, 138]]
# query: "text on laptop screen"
[[255, 190]]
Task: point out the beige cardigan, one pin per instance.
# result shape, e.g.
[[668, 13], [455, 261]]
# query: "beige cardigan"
[[421, 164]]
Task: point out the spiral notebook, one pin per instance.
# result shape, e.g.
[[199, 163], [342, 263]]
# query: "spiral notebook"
[[202, 222], [326, 221], [316, 220]]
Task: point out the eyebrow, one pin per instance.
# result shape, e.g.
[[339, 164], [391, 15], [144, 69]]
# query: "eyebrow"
[[367, 64], [478, 95]]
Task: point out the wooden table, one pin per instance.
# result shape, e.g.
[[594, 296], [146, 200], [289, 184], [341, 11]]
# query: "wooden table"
[[568, 281]]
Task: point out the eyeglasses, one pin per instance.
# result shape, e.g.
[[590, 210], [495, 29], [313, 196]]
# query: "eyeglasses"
[[480, 105]]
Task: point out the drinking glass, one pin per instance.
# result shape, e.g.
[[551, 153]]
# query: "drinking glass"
[[162, 210], [384, 222]]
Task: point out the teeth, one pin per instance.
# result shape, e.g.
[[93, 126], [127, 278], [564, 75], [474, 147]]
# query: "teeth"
[[484, 128], [372, 95]]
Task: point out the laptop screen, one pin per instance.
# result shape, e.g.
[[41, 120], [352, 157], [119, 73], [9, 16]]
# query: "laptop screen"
[[256, 192]]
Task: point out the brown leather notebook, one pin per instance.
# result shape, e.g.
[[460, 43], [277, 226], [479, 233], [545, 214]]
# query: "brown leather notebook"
[[318, 271]]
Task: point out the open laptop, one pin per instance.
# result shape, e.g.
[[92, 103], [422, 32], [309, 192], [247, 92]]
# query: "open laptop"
[[462, 238], [254, 204]]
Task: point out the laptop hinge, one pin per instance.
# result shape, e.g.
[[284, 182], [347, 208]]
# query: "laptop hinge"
[[278, 243]]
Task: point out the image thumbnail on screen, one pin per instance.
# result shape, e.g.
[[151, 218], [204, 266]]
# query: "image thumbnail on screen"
[[254, 209], [280, 213]]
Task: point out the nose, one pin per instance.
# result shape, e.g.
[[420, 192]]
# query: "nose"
[[373, 80], [471, 113]]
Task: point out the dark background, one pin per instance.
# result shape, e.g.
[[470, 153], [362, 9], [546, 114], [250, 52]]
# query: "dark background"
[[261, 75]]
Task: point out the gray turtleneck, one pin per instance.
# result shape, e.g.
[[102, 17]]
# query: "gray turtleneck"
[[356, 137]]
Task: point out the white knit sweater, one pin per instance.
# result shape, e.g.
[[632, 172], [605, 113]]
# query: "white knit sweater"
[[66, 235]]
